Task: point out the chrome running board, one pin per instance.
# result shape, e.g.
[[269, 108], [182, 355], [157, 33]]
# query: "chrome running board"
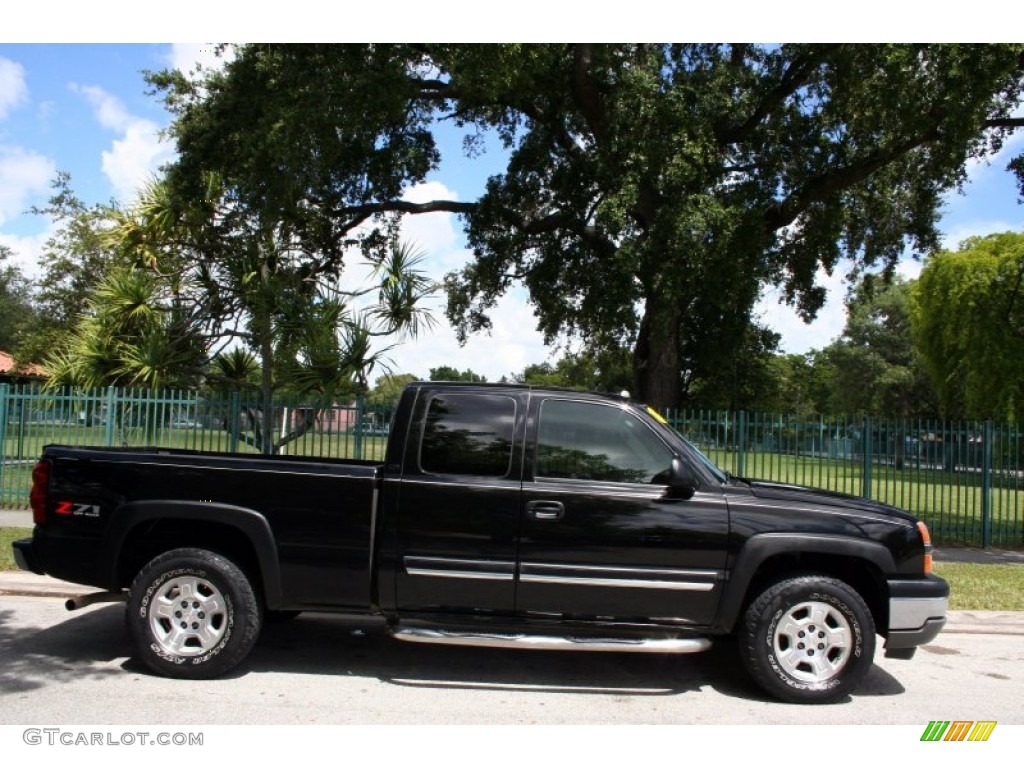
[[550, 642]]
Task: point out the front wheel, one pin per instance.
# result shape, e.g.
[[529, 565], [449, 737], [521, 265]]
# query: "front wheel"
[[808, 640], [193, 614]]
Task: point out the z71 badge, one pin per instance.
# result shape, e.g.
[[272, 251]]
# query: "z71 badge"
[[77, 510]]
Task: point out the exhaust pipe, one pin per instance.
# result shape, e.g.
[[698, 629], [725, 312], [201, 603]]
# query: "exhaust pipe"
[[81, 601]]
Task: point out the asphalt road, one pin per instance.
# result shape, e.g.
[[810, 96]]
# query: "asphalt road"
[[59, 667]]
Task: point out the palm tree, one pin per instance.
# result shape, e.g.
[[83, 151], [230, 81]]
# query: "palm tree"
[[129, 336], [244, 279]]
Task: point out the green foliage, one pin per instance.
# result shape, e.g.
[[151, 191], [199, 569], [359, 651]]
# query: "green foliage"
[[799, 384], [249, 280], [73, 261], [744, 377], [875, 367], [17, 312], [389, 386], [968, 322], [651, 190], [542, 375], [447, 373], [234, 370], [603, 370], [131, 335]]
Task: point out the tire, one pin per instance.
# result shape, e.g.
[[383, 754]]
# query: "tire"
[[776, 629], [193, 614]]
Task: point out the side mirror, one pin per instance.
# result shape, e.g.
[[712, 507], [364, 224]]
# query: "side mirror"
[[682, 480]]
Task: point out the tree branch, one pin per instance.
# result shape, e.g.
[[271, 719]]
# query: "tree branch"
[[404, 206], [585, 90], [1004, 122], [822, 186], [795, 77], [555, 221]]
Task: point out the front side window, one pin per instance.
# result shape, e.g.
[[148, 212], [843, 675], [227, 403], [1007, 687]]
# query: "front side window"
[[589, 441], [468, 435]]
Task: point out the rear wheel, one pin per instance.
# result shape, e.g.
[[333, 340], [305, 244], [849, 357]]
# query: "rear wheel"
[[193, 614], [808, 640]]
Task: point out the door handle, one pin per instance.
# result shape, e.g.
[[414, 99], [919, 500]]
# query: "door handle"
[[545, 510]]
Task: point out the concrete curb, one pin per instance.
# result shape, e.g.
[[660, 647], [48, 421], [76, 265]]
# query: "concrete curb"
[[23, 584], [985, 623]]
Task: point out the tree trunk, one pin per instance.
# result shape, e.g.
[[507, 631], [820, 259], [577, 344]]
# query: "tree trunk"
[[656, 364]]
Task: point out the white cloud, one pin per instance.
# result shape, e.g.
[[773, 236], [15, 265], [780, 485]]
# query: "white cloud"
[[109, 111], [13, 90], [26, 251], [512, 344], [23, 173], [135, 157], [797, 336], [979, 228], [910, 268]]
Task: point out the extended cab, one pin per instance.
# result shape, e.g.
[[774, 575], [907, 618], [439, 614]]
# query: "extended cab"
[[503, 516]]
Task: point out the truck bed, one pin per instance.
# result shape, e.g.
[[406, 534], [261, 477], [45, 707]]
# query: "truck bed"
[[320, 526]]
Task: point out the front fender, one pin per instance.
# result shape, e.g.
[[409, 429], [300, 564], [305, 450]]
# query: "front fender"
[[761, 547]]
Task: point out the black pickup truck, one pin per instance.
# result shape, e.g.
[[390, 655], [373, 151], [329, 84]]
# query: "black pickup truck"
[[502, 516]]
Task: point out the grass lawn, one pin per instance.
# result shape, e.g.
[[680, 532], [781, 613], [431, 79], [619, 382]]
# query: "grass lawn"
[[7, 535], [973, 587]]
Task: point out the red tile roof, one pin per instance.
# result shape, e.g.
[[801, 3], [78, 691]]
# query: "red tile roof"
[[7, 367]]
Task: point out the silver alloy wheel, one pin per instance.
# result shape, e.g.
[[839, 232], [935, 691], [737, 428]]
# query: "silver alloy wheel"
[[188, 616], [813, 642]]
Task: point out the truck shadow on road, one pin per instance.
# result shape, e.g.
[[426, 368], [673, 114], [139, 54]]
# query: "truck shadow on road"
[[82, 646], [90, 643], [326, 645]]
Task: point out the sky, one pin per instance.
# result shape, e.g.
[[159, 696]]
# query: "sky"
[[83, 108]]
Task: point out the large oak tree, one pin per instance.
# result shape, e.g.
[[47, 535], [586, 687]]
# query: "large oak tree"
[[651, 191]]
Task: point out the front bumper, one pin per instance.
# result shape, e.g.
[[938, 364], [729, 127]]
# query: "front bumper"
[[25, 556], [917, 613]]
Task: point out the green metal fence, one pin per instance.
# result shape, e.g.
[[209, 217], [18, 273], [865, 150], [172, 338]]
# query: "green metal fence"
[[966, 480], [31, 418]]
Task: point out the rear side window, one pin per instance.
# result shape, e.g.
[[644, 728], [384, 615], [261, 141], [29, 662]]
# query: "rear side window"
[[468, 435]]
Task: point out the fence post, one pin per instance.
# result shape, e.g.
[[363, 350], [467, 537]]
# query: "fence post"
[[741, 444], [986, 486], [234, 417], [358, 447], [4, 390], [865, 490], [111, 414]]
